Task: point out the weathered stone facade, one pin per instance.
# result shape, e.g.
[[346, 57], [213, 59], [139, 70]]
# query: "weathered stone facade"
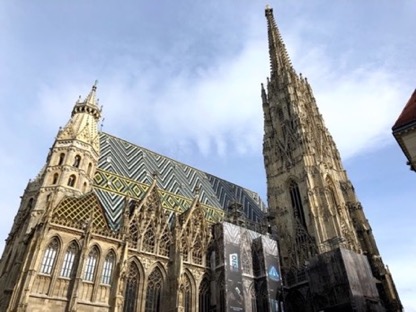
[[313, 202], [111, 226]]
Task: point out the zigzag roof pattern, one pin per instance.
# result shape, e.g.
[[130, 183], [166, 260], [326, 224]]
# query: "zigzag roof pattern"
[[126, 169]]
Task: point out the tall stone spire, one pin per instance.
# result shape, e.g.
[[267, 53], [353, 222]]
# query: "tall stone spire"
[[279, 58], [313, 201]]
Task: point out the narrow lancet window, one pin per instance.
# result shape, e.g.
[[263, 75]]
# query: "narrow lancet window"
[[68, 264], [204, 296], [71, 181], [55, 178], [91, 265], [61, 159], [77, 161], [108, 269], [130, 293], [154, 291], [49, 258], [297, 203]]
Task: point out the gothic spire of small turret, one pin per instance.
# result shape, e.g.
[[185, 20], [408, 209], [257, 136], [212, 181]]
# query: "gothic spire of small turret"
[[89, 105], [279, 58]]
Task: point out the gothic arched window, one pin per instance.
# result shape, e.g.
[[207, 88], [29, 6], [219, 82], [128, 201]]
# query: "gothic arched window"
[[132, 285], [108, 268], [91, 264], [55, 178], [49, 257], [187, 295], [69, 259], [154, 291], [297, 203], [204, 295], [77, 161], [61, 159], [71, 180]]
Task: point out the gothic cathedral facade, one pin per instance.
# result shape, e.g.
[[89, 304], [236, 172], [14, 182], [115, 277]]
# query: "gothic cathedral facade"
[[111, 226]]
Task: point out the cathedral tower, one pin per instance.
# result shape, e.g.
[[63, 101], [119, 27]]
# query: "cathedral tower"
[[69, 171], [309, 194]]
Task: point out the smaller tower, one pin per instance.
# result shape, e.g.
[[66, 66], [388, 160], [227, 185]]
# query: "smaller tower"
[[69, 171]]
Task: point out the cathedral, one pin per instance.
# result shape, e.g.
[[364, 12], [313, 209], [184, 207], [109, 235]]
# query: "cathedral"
[[108, 225]]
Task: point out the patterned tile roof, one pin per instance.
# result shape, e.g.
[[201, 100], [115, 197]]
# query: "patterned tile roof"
[[125, 169]]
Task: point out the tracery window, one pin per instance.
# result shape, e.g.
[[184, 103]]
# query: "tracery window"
[[91, 264], [197, 252], [130, 293], [61, 159], [134, 234], [49, 258], [71, 180], [77, 161], [149, 240], [108, 268], [204, 295], [164, 243], [154, 290], [69, 259], [187, 295], [297, 203]]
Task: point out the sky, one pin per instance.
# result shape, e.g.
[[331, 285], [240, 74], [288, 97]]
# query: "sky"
[[183, 78]]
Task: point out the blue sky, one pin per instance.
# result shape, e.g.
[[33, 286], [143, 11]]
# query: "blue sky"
[[183, 78]]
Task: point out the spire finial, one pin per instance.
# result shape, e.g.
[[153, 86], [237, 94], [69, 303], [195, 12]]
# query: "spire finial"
[[279, 58]]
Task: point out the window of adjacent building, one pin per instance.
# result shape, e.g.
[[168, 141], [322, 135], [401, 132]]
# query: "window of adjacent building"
[[91, 264], [297, 203], [154, 291], [69, 259], [108, 268], [77, 161], [55, 178], [61, 159], [71, 180], [130, 292], [49, 257]]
